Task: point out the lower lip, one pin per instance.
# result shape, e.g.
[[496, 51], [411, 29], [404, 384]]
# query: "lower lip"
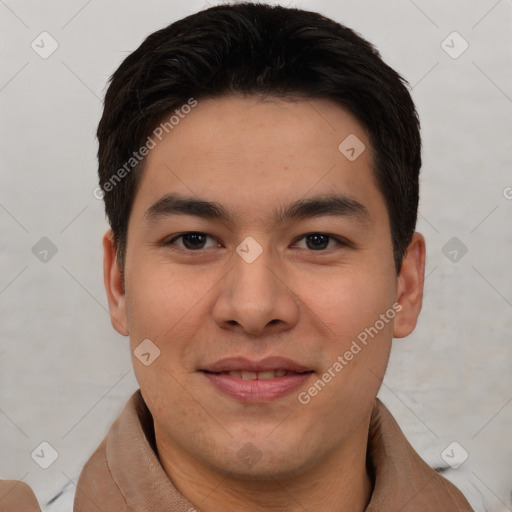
[[257, 390]]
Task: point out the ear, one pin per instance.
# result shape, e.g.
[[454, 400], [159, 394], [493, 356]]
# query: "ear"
[[114, 286], [410, 287]]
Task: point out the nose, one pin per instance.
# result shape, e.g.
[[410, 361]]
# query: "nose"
[[255, 298]]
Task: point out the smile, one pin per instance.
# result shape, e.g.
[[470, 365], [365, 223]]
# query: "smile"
[[254, 382]]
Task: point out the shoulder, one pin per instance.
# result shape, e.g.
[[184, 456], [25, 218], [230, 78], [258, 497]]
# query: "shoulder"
[[96, 485], [98, 480], [403, 480], [17, 496]]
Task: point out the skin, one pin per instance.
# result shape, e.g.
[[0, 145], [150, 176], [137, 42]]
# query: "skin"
[[200, 305]]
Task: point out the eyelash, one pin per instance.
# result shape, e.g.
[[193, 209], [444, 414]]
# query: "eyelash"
[[340, 241]]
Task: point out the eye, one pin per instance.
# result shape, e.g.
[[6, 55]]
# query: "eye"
[[192, 241], [320, 241], [196, 241]]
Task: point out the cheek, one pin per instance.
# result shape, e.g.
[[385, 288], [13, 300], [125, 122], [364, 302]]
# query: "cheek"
[[177, 413], [162, 308], [161, 298], [348, 303], [358, 310]]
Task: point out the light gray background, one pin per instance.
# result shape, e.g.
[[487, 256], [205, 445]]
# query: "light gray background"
[[65, 373]]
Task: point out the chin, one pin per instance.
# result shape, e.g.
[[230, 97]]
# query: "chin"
[[260, 472], [249, 463]]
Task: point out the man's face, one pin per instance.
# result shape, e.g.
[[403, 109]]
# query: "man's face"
[[279, 301]]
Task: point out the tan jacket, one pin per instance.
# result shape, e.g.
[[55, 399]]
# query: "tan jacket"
[[16, 496], [125, 475]]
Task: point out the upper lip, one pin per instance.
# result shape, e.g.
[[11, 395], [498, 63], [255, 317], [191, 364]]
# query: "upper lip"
[[230, 364]]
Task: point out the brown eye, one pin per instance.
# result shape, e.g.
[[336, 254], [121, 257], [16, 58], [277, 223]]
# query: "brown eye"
[[192, 241], [319, 241]]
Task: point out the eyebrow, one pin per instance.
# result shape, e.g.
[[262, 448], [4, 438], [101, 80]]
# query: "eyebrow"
[[334, 205]]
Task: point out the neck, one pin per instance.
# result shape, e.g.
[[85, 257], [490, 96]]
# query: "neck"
[[339, 483]]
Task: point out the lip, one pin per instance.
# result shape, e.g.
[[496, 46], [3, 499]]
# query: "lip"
[[230, 364], [256, 390]]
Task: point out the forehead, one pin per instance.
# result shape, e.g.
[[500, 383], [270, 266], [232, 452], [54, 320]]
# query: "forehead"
[[262, 126], [253, 154]]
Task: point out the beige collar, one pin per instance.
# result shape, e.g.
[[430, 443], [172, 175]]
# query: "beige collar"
[[133, 474]]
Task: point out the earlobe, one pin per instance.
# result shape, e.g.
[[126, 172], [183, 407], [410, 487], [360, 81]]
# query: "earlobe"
[[114, 285], [410, 287]]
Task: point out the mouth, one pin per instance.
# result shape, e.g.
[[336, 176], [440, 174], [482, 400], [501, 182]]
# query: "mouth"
[[263, 375], [253, 381]]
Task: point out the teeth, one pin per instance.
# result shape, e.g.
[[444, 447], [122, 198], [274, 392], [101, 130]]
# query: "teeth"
[[266, 375], [271, 374]]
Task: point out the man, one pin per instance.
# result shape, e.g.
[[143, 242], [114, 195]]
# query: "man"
[[259, 167]]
